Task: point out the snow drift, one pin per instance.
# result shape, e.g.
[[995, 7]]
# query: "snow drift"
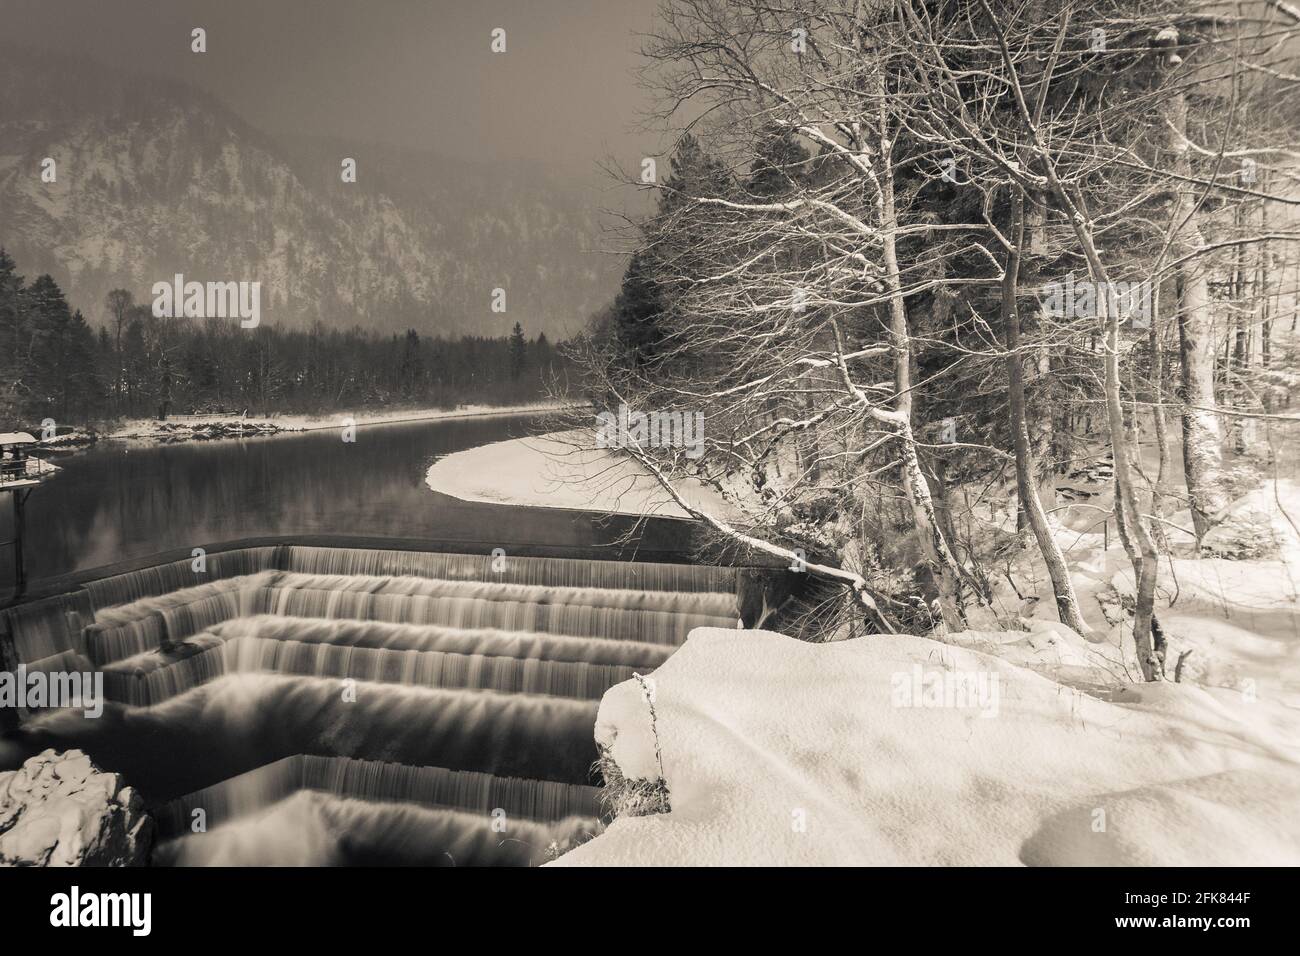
[[885, 751]]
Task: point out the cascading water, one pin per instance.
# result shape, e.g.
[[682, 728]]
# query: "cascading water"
[[153, 678], [540, 800], [162, 578], [535, 814], [331, 705]]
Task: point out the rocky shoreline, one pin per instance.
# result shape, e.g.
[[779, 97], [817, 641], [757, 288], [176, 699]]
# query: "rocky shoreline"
[[167, 433], [216, 428]]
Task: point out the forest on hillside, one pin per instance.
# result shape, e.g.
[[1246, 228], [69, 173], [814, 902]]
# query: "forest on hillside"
[[55, 365]]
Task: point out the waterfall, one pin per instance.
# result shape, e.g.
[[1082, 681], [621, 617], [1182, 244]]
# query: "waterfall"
[[496, 643], [315, 829], [343, 705], [237, 722], [152, 678], [569, 572], [659, 617], [542, 801], [47, 628], [148, 582], [151, 622]]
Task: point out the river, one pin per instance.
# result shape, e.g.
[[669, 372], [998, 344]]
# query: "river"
[[119, 501], [480, 691]]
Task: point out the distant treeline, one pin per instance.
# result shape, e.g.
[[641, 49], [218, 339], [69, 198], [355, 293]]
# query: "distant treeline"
[[55, 365]]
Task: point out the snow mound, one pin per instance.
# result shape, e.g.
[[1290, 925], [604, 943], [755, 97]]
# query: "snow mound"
[[562, 470], [898, 750], [1049, 648], [1256, 525]]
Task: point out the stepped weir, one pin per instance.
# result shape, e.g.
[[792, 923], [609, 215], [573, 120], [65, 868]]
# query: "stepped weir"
[[339, 705]]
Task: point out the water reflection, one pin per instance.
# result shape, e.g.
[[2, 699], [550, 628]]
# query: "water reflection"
[[115, 502]]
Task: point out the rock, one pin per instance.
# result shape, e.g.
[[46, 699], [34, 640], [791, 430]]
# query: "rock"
[[59, 809]]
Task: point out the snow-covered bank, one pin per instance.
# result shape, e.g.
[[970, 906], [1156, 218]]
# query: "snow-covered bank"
[[1233, 623], [1021, 742], [558, 471], [777, 751], [209, 427]]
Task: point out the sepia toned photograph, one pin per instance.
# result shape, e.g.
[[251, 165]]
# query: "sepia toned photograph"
[[650, 433]]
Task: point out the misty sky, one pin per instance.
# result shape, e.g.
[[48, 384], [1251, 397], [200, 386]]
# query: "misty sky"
[[408, 72]]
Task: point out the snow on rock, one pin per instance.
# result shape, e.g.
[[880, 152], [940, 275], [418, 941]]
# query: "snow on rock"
[[895, 750], [59, 809]]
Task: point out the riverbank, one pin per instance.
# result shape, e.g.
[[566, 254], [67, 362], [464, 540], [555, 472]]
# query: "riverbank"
[[897, 750], [215, 427], [559, 471], [1018, 743]]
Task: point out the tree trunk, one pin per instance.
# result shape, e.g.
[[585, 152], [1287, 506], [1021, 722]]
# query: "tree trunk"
[[1038, 398], [1261, 290], [1240, 363], [1143, 557], [1202, 451], [1031, 506], [934, 547], [1042, 433], [1157, 384]]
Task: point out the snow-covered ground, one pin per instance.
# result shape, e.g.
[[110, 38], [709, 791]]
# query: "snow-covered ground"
[[1025, 744], [560, 471], [1020, 742], [1234, 622], [866, 751], [150, 429], [1016, 742]]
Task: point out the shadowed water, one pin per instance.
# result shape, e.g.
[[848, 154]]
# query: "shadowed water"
[[119, 500], [312, 828], [480, 793], [238, 722]]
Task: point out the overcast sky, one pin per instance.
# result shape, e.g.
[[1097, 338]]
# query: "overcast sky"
[[409, 72]]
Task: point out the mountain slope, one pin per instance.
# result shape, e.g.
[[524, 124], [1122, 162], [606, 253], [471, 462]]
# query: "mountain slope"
[[156, 178]]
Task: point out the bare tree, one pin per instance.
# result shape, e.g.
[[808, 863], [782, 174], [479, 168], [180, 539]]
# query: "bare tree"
[[802, 291], [816, 293], [119, 303]]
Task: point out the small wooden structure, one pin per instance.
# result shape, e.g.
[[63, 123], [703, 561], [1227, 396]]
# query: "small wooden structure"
[[19, 474]]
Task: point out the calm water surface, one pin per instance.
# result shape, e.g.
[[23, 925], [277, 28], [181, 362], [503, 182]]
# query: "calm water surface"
[[116, 502]]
